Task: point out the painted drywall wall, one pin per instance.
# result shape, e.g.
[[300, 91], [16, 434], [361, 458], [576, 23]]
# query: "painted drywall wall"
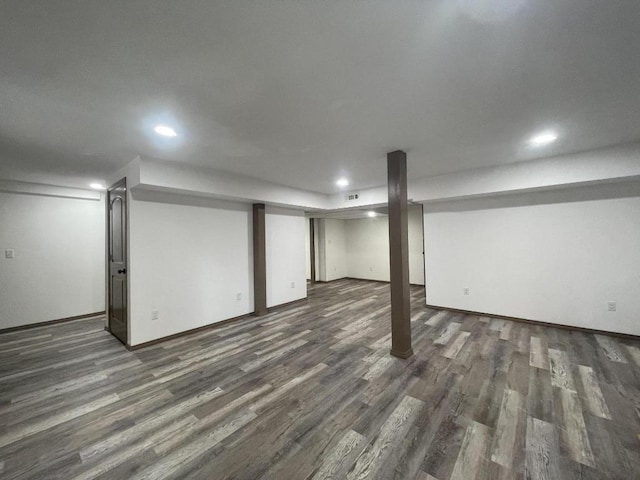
[[367, 247], [611, 164], [189, 179], [285, 251], [307, 248], [58, 269], [332, 260], [190, 260], [556, 257]]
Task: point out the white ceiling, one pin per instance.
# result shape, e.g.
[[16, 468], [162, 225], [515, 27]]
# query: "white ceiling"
[[300, 92]]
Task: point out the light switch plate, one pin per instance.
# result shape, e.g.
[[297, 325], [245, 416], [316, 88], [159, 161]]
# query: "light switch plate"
[[9, 253]]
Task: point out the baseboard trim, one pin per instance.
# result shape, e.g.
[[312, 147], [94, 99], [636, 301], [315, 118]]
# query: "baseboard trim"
[[287, 304], [404, 355], [51, 322], [381, 281], [212, 326], [627, 336]]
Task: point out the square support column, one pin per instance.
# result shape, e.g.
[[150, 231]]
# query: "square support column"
[[399, 255], [259, 261]]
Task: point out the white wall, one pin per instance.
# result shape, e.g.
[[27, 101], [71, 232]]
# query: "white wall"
[[58, 269], [192, 180], [555, 257], [416, 245], [189, 259], [287, 252], [611, 164], [332, 249], [367, 247]]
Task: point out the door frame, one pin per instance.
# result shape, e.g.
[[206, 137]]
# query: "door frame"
[[312, 248], [121, 182]]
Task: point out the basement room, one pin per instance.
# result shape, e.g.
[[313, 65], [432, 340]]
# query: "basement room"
[[313, 240]]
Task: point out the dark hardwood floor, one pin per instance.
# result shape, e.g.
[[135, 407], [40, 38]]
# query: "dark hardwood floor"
[[311, 392]]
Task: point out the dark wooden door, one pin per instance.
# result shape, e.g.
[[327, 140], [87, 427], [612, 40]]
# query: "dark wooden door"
[[117, 238]]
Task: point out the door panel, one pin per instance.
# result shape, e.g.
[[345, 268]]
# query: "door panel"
[[117, 235]]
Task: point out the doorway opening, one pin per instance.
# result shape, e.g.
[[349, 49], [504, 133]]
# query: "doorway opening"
[[117, 261]]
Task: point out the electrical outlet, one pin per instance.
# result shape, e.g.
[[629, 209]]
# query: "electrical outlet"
[[371, 268], [465, 291], [293, 284], [155, 314], [238, 296], [9, 253], [611, 306]]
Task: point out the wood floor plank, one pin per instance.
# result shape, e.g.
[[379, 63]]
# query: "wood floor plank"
[[542, 459], [447, 333], [336, 463], [287, 387], [391, 432], [21, 432], [634, 352], [110, 462], [182, 457], [561, 370], [472, 459], [150, 424], [611, 348], [456, 346], [424, 476], [593, 395], [573, 431], [252, 365], [378, 367], [505, 437], [539, 357], [435, 320], [505, 332]]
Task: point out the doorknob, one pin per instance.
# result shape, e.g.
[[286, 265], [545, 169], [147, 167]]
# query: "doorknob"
[[124, 270]]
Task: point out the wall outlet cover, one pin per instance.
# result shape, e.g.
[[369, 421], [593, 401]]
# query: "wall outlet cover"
[[9, 253]]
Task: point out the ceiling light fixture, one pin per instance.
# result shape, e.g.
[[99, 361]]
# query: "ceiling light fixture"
[[371, 214], [97, 186], [165, 131], [342, 182], [543, 138]]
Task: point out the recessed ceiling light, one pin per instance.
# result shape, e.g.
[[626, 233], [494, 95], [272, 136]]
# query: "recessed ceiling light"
[[543, 138], [342, 182], [165, 131], [97, 186], [371, 214]]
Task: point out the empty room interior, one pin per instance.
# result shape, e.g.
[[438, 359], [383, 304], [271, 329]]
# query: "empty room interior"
[[296, 239]]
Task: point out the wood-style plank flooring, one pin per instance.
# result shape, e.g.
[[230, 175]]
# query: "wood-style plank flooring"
[[311, 392]]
